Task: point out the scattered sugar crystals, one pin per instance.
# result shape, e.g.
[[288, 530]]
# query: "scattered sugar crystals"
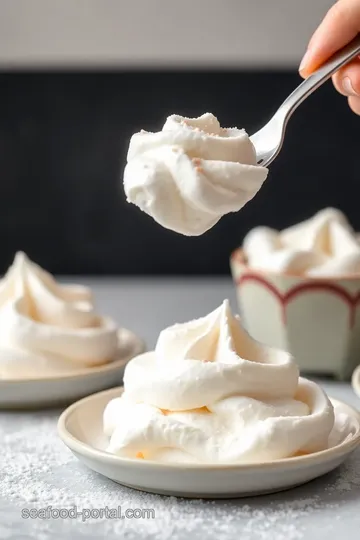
[[37, 470]]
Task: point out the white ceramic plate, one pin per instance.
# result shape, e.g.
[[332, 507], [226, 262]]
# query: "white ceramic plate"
[[80, 428], [66, 388]]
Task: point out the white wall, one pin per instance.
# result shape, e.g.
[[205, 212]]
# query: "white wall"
[[122, 33]]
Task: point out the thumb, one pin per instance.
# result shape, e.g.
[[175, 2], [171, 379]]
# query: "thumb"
[[340, 25]]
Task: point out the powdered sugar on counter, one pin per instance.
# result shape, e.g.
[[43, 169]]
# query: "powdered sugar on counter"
[[37, 470]]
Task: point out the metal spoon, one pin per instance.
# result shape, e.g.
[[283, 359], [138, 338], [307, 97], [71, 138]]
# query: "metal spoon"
[[269, 139]]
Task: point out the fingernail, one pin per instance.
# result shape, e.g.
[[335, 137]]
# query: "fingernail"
[[348, 87], [304, 62]]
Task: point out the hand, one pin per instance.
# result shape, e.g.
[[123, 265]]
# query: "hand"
[[340, 25]]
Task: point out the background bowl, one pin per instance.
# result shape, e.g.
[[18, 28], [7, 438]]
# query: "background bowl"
[[317, 320]]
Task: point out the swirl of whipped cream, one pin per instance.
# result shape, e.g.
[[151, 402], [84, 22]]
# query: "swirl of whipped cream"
[[323, 246], [191, 173], [210, 393], [47, 327]]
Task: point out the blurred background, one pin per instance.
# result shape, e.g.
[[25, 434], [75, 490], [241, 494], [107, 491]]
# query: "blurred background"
[[78, 78]]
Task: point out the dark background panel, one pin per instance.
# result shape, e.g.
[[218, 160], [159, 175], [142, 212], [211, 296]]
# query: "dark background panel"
[[63, 143]]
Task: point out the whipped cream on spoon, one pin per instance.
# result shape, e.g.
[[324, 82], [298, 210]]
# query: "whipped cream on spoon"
[[191, 173]]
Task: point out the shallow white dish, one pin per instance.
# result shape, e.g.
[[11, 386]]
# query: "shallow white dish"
[[66, 388], [80, 428]]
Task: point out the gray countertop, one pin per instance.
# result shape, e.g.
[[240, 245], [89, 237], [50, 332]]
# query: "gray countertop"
[[37, 470]]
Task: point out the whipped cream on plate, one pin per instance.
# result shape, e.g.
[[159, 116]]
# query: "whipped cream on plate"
[[209, 393], [323, 246], [49, 329], [191, 173]]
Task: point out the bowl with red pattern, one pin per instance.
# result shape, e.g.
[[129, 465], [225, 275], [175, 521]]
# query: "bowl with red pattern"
[[314, 318]]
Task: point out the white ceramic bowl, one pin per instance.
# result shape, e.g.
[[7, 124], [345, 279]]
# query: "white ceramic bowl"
[[66, 388], [315, 319], [81, 429]]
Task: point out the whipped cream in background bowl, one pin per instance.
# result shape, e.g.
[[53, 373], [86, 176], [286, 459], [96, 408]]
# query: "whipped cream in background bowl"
[[53, 343], [191, 173], [299, 289]]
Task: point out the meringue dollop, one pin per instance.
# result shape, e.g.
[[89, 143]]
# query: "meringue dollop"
[[323, 246], [191, 173], [47, 328], [209, 393]]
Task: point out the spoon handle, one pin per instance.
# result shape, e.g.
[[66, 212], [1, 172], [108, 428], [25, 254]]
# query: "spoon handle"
[[316, 79]]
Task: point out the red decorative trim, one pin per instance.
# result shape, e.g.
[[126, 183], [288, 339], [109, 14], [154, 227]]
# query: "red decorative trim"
[[284, 299], [237, 256]]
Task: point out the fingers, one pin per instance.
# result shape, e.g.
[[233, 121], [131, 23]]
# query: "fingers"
[[347, 82], [354, 104], [347, 79], [340, 25]]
